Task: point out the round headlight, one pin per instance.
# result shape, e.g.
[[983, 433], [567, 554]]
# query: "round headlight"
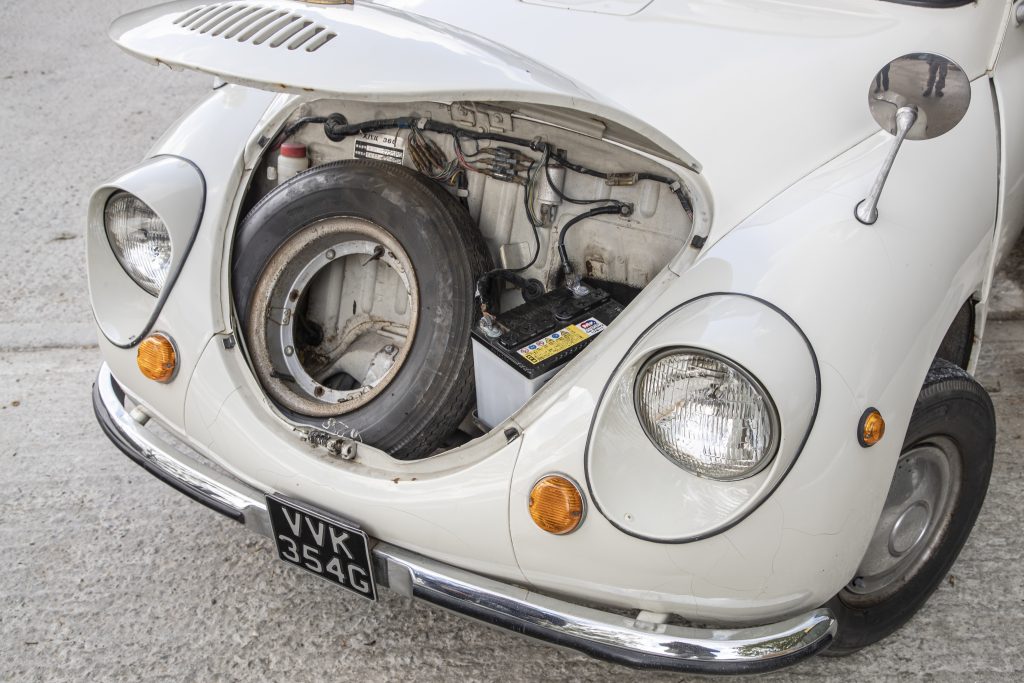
[[706, 414], [139, 239]]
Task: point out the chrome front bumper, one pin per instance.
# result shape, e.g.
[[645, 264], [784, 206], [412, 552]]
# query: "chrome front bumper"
[[600, 634]]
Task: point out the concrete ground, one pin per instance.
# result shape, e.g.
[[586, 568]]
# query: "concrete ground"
[[106, 574]]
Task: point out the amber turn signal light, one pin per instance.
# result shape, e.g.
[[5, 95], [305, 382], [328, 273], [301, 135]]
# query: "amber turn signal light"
[[871, 428], [556, 505], [157, 358]]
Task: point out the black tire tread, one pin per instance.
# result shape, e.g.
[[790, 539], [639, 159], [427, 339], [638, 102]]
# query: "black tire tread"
[[945, 381]]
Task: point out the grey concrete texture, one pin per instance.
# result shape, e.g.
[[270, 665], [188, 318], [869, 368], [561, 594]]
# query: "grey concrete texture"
[[106, 574]]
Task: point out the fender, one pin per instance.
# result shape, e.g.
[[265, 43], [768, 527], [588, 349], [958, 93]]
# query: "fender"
[[874, 303]]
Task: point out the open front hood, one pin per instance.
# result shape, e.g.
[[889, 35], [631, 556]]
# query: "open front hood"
[[762, 92], [368, 52]]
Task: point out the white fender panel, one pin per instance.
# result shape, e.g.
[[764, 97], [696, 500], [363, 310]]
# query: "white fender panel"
[[176, 191], [874, 302], [635, 486], [212, 136]]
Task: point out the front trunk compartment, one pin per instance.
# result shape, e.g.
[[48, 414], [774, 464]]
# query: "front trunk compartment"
[[543, 233]]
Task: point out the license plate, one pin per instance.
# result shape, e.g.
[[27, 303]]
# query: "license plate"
[[331, 549]]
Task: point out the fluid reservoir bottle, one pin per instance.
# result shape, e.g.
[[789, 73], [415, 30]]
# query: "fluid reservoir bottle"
[[292, 161]]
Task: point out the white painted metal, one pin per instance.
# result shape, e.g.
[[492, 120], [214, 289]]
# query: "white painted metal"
[[874, 303], [462, 66], [769, 96], [213, 136], [1008, 78], [629, 250], [452, 507], [639, 489], [619, 7], [174, 189], [759, 91], [804, 252]]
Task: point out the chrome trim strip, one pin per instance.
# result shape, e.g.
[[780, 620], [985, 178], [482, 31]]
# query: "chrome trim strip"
[[609, 636], [218, 491], [604, 635]]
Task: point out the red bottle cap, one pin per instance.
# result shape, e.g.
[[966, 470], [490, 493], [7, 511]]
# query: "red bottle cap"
[[293, 150]]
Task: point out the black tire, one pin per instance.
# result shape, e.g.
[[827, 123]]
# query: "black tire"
[[953, 408], [433, 390]]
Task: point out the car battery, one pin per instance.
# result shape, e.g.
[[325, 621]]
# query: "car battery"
[[537, 338]]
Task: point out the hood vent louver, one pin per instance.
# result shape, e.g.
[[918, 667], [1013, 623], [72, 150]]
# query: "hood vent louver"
[[257, 25]]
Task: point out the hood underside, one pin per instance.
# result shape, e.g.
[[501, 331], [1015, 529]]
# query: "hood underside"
[[369, 52]]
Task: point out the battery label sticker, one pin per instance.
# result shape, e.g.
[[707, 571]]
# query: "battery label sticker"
[[389, 148], [557, 342]]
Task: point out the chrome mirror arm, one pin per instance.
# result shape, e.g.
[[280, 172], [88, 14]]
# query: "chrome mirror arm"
[[867, 209]]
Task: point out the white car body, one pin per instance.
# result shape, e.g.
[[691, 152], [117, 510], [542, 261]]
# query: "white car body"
[[759, 106]]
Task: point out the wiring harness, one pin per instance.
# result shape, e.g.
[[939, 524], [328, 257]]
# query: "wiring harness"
[[502, 163]]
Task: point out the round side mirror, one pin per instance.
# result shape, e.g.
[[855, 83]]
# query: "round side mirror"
[[936, 87], [914, 97]]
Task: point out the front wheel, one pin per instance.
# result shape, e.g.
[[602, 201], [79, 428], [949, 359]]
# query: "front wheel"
[[936, 493]]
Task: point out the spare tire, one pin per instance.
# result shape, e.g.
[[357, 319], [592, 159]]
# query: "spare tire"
[[354, 285]]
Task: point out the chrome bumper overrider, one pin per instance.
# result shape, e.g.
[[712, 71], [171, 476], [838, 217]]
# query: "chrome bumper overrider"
[[600, 634]]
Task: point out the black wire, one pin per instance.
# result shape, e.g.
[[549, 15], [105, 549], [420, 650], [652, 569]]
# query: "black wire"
[[678, 189], [573, 200], [462, 184], [599, 211], [534, 223], [511, 274], [643, 175], [536, 251], [294, 127], [458, 143], [531, 184], [337, 129]]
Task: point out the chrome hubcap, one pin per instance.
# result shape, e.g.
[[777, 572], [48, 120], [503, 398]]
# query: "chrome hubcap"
[[913, 521]]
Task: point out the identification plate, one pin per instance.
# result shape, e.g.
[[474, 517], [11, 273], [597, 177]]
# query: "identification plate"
[[381, 147], [326, 547], [565, 338]]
